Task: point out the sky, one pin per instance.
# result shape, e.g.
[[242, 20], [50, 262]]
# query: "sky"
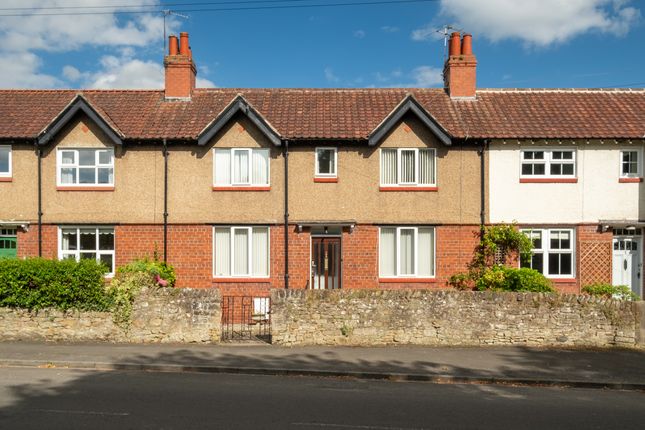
[[388, 43]]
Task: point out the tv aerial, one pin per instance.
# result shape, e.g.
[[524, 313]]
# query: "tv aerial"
[[445, 31], [166, 13]]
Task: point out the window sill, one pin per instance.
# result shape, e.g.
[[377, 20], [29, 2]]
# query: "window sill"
[[242, 188], [81, 188], [548, 180], [408, 188], [326, 180], [406, 280], [629, 180], [241, 280], [561, 280], [6, 179]]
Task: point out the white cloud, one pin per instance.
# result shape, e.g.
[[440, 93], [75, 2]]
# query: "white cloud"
[[389, 29], [28, 40], [330, 76], [360, 34], [536, 22], [427, 76], [419, 77]]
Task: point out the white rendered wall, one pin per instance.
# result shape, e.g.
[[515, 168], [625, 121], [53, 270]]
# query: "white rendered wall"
[[597, 195]]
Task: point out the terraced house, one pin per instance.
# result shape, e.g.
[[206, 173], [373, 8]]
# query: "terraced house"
[[252, 189]]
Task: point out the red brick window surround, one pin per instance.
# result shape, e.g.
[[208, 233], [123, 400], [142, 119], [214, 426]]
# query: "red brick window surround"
[[548, 165], [241, 169], [241, 253], [85, 169], [406, 253], [5, 163], [408, 169]]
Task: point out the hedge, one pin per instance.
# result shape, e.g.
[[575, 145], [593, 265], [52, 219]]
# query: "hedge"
[[37, 283]]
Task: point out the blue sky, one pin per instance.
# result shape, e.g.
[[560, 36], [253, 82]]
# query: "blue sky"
[[518, 43]]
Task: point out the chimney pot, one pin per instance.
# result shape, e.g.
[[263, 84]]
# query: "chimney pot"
[[183, 43], [455, 44], [173, 47], [467, 45]]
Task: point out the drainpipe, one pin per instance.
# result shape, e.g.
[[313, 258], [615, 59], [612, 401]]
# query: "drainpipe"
[[482, 178], [286, 214], [165, 201], [39, 153]]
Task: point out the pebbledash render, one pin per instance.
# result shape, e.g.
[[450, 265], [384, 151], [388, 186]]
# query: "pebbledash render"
[[247, 190]]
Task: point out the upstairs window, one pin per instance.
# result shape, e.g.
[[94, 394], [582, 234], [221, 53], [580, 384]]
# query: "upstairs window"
[[5, 161], [408, 167], [552, 253], [547, 163], [326, 162], [630, 164], [85, 167], [94, 243], [241, 167]]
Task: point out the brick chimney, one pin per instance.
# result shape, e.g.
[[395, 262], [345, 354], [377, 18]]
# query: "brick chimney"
[[460, 70], [180, 69]]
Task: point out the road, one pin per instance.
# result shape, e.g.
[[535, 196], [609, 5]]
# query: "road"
[[50, 398]]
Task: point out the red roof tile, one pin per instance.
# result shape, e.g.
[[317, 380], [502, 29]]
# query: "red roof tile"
[[343, 113]]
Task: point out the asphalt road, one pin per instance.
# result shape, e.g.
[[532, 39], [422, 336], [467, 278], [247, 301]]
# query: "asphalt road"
[[70, 399]]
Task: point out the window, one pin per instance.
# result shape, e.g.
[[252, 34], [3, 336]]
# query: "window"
[[629, 164], [85, 167], [408, 167], [5, 161], [547, 163], [326, 162], [552, 252], [241, 252], [406, 252], [96, 243], [241, 167]]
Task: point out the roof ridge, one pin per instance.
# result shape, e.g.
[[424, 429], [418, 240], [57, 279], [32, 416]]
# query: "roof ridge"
[[561, 90]]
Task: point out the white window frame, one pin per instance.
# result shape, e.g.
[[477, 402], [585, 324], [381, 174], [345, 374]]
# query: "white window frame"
[[546, 250], [77, 253], [249, 256], [77, 166], [548, 161], [416, 253], [639, 163], [317, 173], [399, 183], [250, 183], [9, 173]]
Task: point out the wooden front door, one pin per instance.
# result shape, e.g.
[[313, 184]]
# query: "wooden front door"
[[325, 263]]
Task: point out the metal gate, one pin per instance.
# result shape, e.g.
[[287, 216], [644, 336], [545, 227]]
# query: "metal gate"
[[246, 318]]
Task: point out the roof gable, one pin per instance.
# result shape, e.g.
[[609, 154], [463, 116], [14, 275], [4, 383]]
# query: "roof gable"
[[239, 104], [408, 105], [79, 104]]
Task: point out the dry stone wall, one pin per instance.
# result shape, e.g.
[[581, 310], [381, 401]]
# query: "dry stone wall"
[[427, 317], [158, 315]]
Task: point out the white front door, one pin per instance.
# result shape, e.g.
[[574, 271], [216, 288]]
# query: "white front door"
[[627, 262]]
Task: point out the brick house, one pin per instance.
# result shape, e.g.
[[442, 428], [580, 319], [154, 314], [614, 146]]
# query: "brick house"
[[252, 189]]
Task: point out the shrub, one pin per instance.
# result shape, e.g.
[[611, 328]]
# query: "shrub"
[[621, 292], [501, 278], [461, 281], [123, 289], [37, 283], [162, 273]]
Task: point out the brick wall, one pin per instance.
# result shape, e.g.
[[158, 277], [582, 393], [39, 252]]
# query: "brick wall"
[[28, 241]]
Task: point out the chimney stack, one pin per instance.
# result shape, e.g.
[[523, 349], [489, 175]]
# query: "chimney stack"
[[460, 70], [180, 69]]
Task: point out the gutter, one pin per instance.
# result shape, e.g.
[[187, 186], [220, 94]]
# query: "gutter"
[[482, 177], [39, 153]]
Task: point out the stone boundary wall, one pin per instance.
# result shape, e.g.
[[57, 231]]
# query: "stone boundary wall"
[[431, 317], [158, 315]]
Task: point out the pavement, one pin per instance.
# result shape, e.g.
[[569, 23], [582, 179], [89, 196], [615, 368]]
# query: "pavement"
[[622, 369]]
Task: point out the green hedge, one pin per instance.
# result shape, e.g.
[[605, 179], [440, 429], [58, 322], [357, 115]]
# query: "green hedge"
[[162, 273], [621, 292], [501, 278], [37, 283]]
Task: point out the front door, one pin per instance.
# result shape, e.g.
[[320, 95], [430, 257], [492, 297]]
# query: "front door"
[[627, 262], [8, 242], [325, 263]]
